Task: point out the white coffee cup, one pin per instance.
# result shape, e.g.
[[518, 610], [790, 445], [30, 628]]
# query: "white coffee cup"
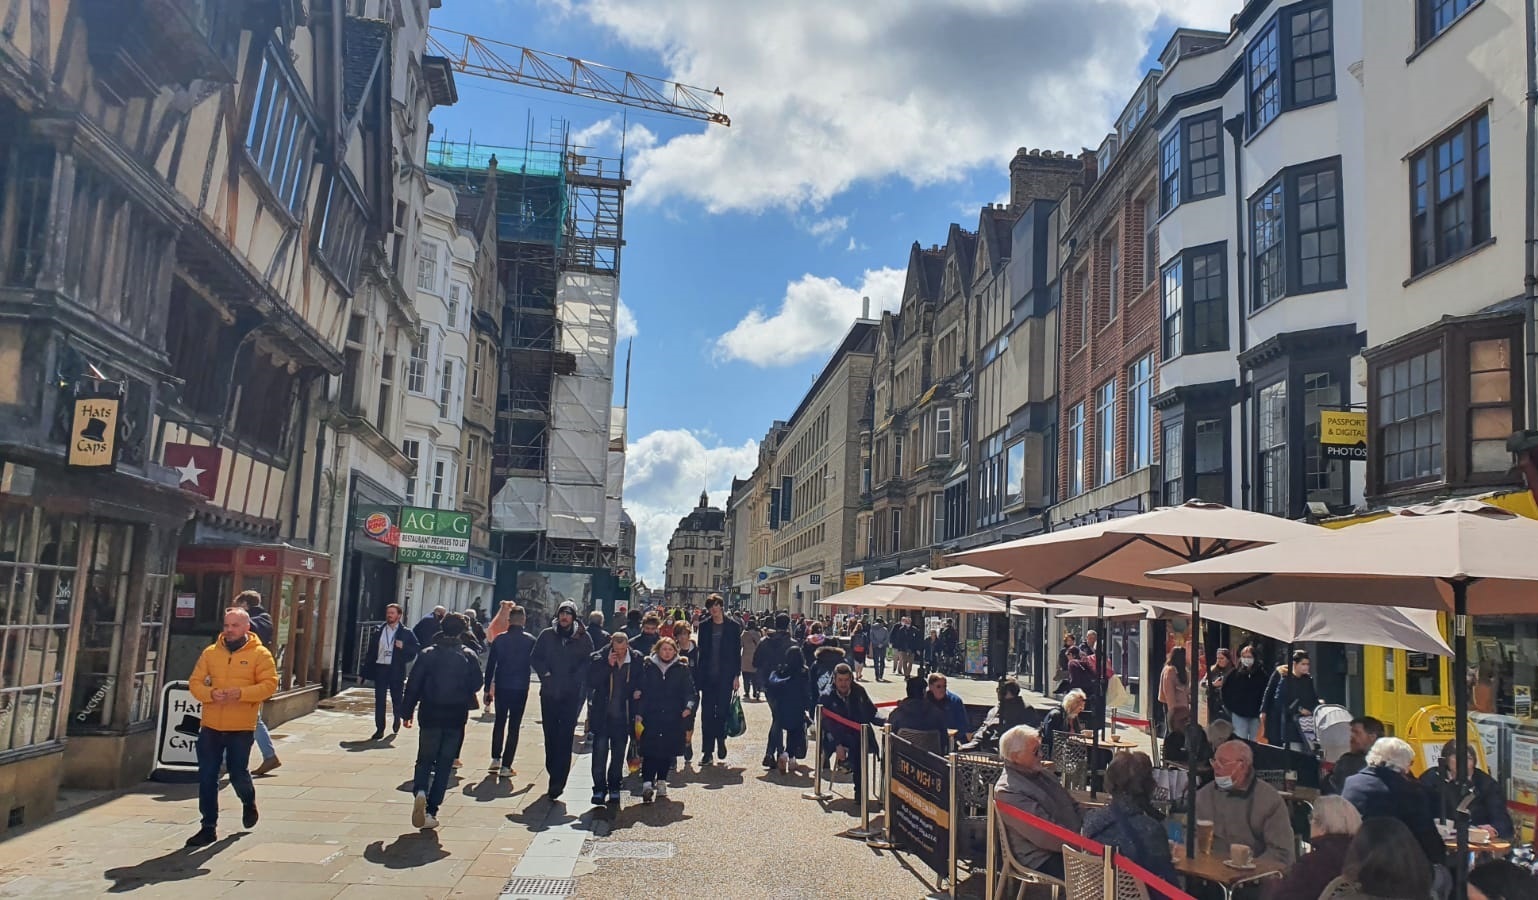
[[1240, 854]]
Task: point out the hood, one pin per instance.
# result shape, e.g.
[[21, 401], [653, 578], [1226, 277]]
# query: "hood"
[[567, 605], [663, 666], [251, 640], [827, 654]]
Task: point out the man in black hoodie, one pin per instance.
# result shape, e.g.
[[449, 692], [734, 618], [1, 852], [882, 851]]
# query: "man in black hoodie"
[[614, 700], [561, 657], [443, 682], [507, 687], [720, 673], [261, 624]]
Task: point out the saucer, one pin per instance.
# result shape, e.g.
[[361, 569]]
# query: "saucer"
[[1233, 865]]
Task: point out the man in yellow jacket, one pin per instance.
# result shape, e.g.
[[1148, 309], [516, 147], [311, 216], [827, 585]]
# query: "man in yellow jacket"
[[232, 678]]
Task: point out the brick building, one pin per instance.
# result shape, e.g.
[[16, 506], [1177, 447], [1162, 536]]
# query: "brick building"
[[1109, 327]]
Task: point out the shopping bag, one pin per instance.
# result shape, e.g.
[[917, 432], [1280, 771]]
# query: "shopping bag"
[[736, 724]]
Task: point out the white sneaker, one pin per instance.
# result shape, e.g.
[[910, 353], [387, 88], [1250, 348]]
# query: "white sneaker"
[[784, 763], [430, 822], [505, 772], [662, 790], [495, 766], [419, 810], [647, 792]]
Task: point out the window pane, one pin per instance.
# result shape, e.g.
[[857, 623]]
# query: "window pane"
[[1491, 423], [1490, 387]]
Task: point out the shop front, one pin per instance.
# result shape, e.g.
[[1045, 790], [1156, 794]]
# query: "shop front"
[[470, 586], [295, 585], [370, 576]]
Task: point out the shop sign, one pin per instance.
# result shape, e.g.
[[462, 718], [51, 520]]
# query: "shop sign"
[[921, 802], [196, 467], [93, 432], [854, 579], [186, 606], [814, 579], [1343, 434], [433, 537], [181, 717], [765, 590]]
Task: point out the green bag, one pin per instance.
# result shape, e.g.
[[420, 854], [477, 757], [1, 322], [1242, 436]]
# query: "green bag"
[[736, 724]]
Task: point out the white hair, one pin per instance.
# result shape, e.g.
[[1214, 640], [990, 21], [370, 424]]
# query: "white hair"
[[1077, 694], [1016, 739], [1391, 752], [1334, 814]]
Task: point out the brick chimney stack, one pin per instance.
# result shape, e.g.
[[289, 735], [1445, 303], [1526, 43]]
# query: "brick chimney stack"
[[1036, 174]]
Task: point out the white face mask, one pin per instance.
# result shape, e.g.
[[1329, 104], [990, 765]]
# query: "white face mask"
[[1224, 782], [1246, 661]]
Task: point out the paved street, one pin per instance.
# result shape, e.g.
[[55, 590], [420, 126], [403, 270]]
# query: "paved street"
[[335, 824]]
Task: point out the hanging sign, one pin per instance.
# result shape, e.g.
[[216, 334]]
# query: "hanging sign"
[[1343, 434], [93, 432]]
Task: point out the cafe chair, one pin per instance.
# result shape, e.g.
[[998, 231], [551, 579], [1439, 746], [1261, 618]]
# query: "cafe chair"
[[1071, 760], [1084, 878], [1013, 868]]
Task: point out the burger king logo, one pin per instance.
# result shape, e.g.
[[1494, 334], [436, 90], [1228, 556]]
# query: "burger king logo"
[[377, 525]]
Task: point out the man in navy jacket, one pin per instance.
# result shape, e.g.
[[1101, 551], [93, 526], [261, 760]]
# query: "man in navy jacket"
[[507, 687], [392, 648]]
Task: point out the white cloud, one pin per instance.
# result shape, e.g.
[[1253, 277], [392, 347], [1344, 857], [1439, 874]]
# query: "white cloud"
[[823, 95], [664, 474], [624, 322], [855, 245], [813, 317], [825, 230]]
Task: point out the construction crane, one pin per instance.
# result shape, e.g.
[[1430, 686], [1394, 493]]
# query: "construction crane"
[[569, 75]]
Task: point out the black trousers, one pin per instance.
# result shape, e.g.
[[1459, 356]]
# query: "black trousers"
[[385, 680], [559, 718], [510, 705], [715, 697]]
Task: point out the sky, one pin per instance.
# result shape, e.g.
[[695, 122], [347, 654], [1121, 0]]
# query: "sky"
[[857, 129]]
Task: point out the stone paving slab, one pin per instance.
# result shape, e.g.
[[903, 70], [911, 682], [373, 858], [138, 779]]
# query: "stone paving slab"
[[336, 824]]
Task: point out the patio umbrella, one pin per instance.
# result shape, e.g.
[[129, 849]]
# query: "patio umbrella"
[[975, 577], [1463, 557], [1113, 557]]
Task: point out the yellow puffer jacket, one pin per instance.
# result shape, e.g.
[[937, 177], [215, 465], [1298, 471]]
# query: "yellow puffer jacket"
[[250, 669]]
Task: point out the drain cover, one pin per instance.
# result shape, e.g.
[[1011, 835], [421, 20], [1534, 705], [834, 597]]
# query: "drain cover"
[[519, 888], [631, 850]]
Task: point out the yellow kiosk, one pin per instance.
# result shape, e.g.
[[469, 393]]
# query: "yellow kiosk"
[[1430, 728]]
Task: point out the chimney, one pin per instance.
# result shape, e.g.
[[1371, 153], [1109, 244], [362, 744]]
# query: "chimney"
[[1037, 174], [865, 307]]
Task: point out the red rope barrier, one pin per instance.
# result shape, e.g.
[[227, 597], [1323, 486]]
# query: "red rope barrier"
[[829, 714], [1088, 845], [1128, 720], [888, 703]]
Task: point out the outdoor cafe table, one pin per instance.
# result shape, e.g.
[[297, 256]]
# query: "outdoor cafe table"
[[1107, 742], [1493, 847], [1210, 868], [1083, 798]]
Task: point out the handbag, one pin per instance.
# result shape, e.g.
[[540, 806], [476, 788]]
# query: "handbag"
[[736, 724]]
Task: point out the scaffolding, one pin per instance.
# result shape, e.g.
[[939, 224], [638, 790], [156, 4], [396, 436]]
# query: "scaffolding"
[[560, 217]]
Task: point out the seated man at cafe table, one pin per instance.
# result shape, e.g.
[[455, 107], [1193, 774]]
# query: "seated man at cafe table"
[[1365, 730], [1028, 787], [1244, 809], [1010, 711], [1488, 808], [1386, 788]]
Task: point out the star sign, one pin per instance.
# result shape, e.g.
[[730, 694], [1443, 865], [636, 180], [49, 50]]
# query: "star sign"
[[190, 473]]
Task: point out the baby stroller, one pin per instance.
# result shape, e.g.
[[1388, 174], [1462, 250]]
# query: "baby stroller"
[[1331, 730]]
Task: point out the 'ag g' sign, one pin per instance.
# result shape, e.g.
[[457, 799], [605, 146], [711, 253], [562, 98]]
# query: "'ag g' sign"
[[435, 537], [1343, 434]]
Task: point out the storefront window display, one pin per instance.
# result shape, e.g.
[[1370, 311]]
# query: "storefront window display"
[[39, 555], [1505, 653], [104, 603]]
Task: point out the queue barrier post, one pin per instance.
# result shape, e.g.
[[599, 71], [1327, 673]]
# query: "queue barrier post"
[[993, 849], [816, 792], [882, 840], [955, 818]]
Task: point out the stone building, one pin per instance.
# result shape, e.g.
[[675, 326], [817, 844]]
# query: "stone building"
[[696, 563]]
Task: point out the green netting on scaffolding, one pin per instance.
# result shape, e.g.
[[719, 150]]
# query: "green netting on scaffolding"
[[531, 186]]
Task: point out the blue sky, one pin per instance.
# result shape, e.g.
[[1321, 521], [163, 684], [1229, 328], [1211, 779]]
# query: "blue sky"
[[857, 129]]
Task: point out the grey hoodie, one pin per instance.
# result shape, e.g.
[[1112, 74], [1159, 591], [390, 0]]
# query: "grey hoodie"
[[1039, 794]]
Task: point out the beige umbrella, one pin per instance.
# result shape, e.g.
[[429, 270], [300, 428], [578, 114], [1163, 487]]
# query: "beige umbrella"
[[927, 579], [1462, 557], [974, 577], [880, 595]]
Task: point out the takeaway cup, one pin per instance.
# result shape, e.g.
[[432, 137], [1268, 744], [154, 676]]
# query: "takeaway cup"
[[1240, 854], [1204, 836]]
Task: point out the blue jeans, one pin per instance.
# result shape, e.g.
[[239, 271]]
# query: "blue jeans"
[[263, 739], [437, 748], [1247, 727], [232, 749]]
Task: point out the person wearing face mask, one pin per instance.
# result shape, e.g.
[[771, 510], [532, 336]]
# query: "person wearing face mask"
[[1289, 694], [1243, 809], [1243, 690]]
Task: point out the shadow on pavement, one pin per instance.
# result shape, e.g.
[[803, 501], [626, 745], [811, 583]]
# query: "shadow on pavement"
[[412, 849], [542, 814], [170, 792], [360, 746], [178, 865], [493, 788]]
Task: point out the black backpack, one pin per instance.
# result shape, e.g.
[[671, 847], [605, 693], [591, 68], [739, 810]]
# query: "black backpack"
[[451, 682]]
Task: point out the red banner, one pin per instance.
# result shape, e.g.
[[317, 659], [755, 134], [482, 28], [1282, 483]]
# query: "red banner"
[[197, 468]]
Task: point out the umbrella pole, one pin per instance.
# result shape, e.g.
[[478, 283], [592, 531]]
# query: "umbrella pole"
[[1099, 692], [1461, 735], [1196, 631]]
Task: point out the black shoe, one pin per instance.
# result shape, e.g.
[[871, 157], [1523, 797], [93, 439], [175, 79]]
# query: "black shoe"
[[248, 816], [706, 760], [378, 735], [555, 792], [203, 838], [767, 763], [396, 728]]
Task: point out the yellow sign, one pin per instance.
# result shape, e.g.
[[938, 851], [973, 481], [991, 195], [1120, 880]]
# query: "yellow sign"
[[93, 432], [853, 580], [1343, 434]]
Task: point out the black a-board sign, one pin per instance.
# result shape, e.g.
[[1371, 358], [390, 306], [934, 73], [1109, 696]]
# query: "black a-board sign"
[[921, 802]]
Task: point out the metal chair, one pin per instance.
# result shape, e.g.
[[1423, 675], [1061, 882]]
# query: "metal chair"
[[1012, 867], [1071, 760], [1084, 878]]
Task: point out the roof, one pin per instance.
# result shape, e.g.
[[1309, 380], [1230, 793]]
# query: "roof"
[[708, 519], [364, 45]]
